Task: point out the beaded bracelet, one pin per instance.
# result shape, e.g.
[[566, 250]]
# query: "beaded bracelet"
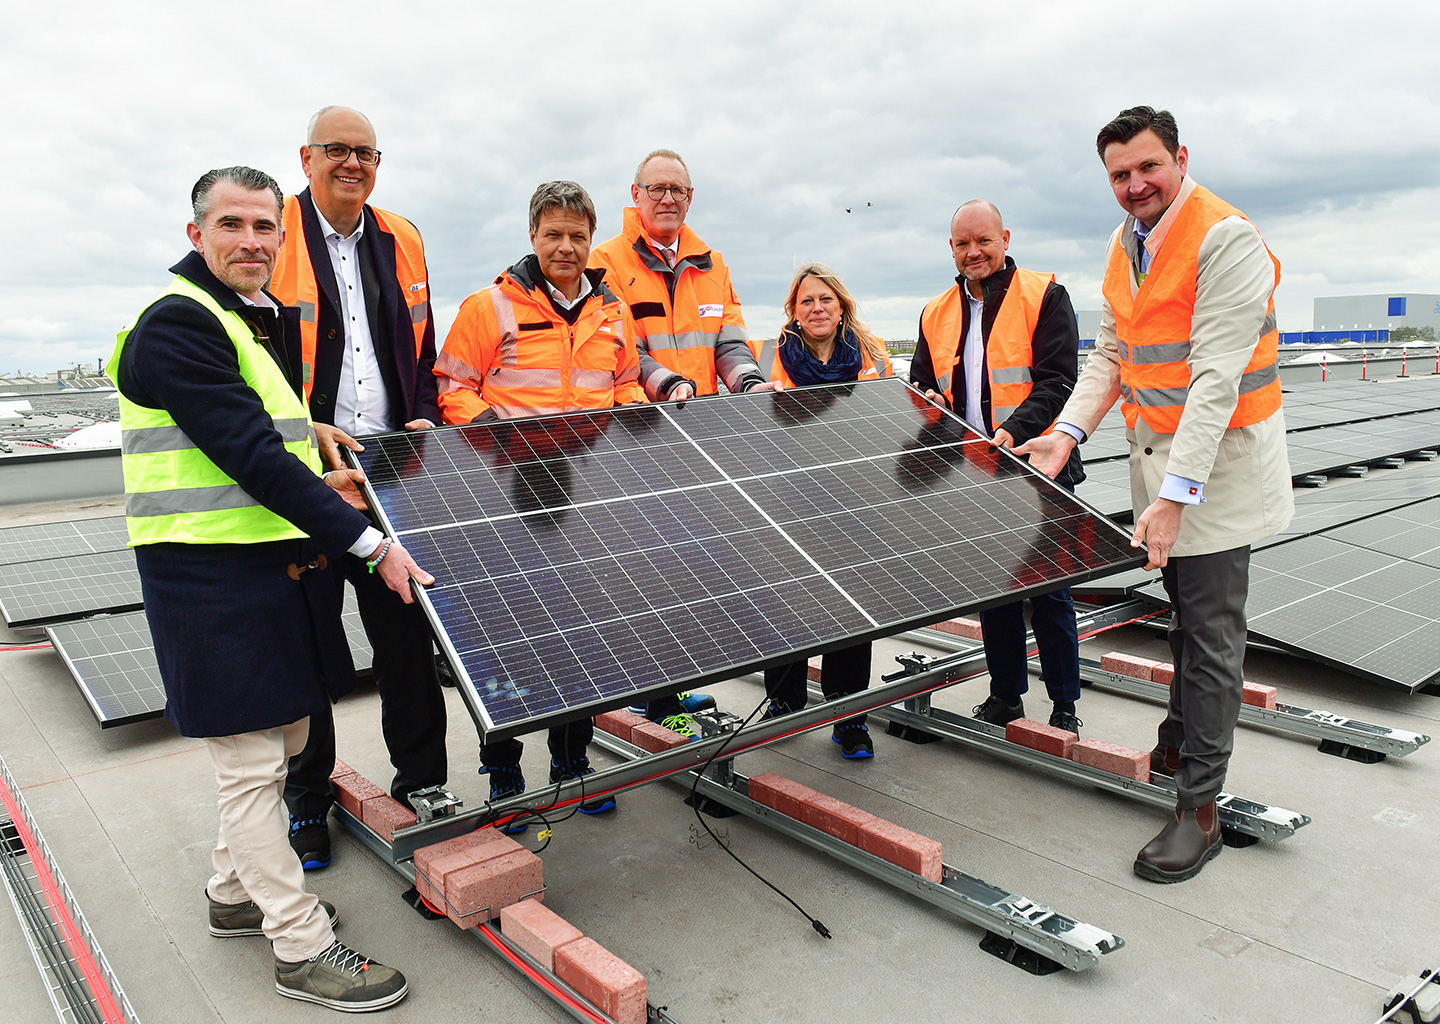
[[371, 563]]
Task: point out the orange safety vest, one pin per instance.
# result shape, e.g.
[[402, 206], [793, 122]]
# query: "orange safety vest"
[[773, 369], [509, 351], [679, 334], [1152, 326], [293, 282], [1008, 350]]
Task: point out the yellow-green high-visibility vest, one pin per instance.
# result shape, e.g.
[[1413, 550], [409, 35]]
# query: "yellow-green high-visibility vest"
[[173, 492]]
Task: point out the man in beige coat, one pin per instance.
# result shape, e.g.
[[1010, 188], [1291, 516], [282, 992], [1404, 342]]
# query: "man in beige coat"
[[1188, 342]]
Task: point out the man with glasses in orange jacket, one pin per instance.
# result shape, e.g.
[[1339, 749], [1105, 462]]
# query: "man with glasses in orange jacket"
[[690, 332]]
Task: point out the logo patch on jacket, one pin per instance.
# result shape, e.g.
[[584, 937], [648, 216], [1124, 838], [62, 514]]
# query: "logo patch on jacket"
[[712, 310], [417, 286]]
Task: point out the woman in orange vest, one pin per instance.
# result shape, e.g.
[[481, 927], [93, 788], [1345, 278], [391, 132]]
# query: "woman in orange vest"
[[824, 342]]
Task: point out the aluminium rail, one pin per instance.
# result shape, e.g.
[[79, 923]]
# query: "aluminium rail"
[[1337, 734]]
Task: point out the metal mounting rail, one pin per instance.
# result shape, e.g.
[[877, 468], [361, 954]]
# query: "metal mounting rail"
[[1332, 730], [488, 932], [1238, 815], [1320, 725], [1072, 944], [82, 986]]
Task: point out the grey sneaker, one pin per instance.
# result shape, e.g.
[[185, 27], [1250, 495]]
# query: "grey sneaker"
[[341, 979], [231, 919]]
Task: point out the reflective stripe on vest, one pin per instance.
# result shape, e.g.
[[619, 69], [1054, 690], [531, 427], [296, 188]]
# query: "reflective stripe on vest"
[[1153, 323], [1009, 355], [293, 282], [173, 492]]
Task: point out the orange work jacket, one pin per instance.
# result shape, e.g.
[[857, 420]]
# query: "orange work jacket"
[[510, 352], [293, 282], [676, 328], [1009, 354], [1152, 327], [773, 369]]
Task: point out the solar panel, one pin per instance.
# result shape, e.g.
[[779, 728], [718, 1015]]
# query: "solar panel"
[[59, 540], [585, 560], [112, 659], [55, 589], [1364, 597]]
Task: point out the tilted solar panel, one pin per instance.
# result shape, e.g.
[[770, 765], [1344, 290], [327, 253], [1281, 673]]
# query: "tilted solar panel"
[[55, 589], [586, 560], [60, 540]]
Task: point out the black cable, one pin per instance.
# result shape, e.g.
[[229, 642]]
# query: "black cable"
[[695, 806]]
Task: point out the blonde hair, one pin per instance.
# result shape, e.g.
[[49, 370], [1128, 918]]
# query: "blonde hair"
[[850, 320]]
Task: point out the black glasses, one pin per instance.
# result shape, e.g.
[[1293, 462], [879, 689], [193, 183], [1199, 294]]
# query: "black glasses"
[[339, 152], [657, 192]]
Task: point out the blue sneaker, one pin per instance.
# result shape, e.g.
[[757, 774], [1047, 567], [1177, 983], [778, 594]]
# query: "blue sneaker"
[[506, 780], [310, 839], [579, 767], [691, 702], [854, 740]]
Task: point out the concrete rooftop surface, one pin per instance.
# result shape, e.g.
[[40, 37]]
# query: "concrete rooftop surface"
[[1316, 928]]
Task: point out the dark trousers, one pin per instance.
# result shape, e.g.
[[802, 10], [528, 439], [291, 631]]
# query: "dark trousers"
[[1207, 640], [842, 673], [566, 742], [1052, 617], [412, 705]]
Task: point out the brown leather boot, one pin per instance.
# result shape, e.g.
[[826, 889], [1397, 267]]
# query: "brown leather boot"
[[1182, 847], [1164, 761]]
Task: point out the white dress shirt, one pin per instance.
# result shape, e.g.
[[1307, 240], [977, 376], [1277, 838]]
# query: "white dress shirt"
[[973, 360], [361, 404], [558, 297]]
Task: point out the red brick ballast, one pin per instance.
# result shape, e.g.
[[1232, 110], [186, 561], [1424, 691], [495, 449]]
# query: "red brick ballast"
[[1162, 672], [380, 812], [884, 839]]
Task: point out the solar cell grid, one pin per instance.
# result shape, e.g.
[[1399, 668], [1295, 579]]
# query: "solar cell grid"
[[791, 523], [60, 540], [55, 589]]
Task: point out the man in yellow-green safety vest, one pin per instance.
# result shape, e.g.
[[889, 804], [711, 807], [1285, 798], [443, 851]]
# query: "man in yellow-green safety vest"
[[233, 527]]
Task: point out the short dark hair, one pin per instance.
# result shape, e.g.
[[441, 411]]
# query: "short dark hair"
[[245, 177], [561, 195], [1130, 123]]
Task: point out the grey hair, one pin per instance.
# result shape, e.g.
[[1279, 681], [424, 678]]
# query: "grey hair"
[[310, 139], [561, 195], [246, 177], [669, 154]]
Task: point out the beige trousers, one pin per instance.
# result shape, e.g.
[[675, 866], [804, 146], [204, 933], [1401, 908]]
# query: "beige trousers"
[[253, 859]]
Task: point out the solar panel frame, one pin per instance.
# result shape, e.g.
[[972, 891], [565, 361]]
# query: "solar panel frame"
[[725, 436]]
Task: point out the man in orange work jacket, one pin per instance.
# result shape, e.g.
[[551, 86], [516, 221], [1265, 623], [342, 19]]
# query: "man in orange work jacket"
[[367, 351], [690, 333], [547, 337], [1188, 343], [1000, 350]]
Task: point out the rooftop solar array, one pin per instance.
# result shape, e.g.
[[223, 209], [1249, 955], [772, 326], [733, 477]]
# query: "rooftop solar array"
[[60, 540], [585, 560], [1364, 596], [112, 660], [34, 594]]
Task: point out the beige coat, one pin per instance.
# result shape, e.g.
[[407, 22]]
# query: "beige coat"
[[1245, 471]]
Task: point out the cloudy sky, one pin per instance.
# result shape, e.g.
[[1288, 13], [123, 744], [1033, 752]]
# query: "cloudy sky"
[[1317, 119]]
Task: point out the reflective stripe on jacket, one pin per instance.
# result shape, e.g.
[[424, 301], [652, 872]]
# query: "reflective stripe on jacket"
[[773, 369], [1152, 326], [293, 282], [173, 492], [1009, 355], [511, 352], [680, 316]]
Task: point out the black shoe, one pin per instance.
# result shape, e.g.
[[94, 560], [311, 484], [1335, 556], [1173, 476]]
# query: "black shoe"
[[310, 839], [1066, 721], [506, 780], [775, 710], [854, 740], [997, 712], [228, 920], [341, 979], [576, 768]]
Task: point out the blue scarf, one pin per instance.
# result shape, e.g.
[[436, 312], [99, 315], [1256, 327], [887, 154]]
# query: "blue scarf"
[[804, 369]]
